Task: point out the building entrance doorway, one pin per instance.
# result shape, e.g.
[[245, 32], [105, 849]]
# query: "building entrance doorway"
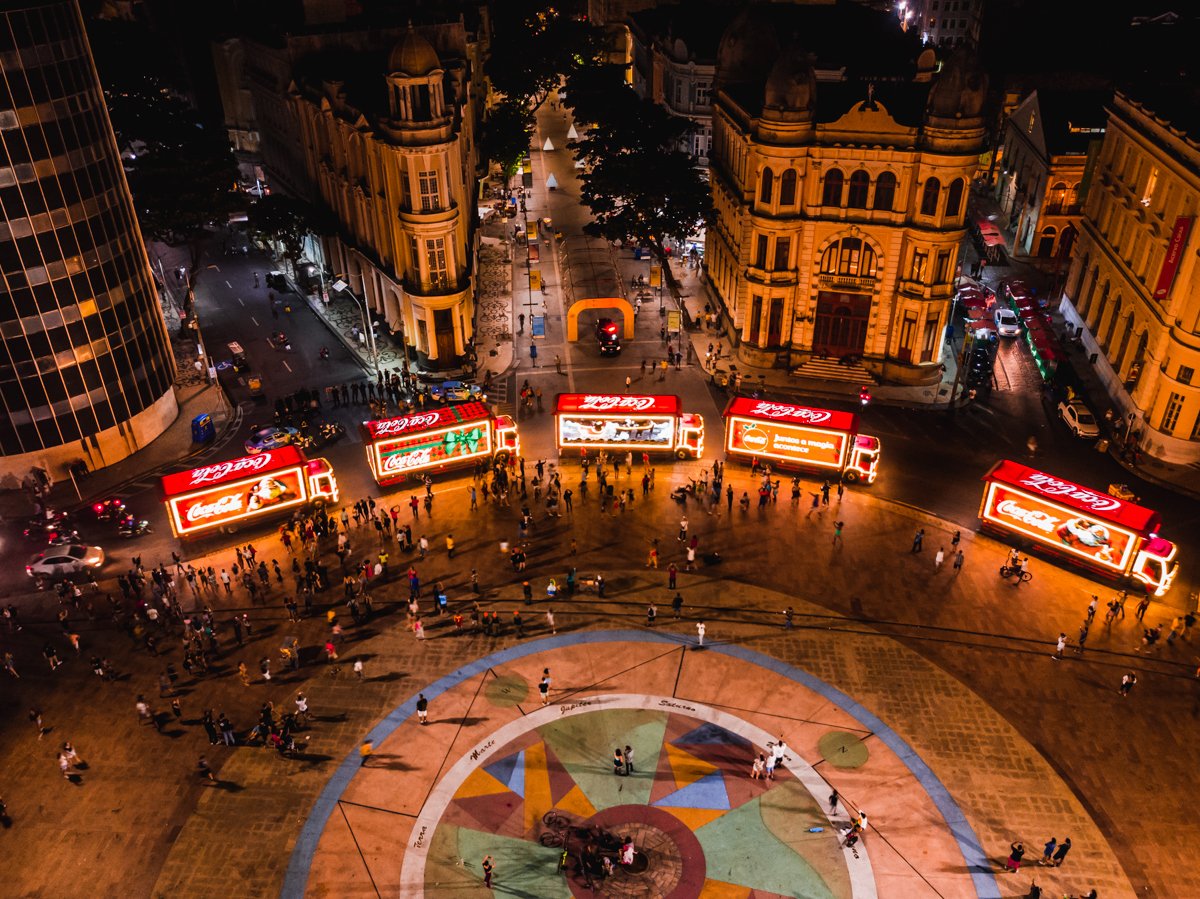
[[841, 324]]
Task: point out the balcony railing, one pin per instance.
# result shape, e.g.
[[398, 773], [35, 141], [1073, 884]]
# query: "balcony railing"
[[846, 282]]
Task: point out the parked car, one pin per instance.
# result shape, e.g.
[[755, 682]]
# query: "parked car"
[[1079, 419], [63, 561], [270, 438], [456, 392], [1007, 323]]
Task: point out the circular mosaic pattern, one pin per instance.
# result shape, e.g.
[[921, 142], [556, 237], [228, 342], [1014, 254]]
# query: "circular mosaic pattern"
[[507, 691], [843, 750]]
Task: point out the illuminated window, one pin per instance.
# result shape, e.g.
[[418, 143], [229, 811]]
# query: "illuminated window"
[[435, 256], [429, 191], [920, 262], [1151, 183], [1171, 413]]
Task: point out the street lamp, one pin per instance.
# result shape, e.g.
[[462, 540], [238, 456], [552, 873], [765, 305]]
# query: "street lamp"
[[367, 320]]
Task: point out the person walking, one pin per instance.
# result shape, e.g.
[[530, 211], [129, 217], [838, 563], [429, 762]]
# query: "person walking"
[[1059, 647], [1128, 679], [1015, 853], [837, 532], [628, 759], [550, 621], [418, 629], [422, 709], [1060, 854], [544, 686], [205, 770], [958, 561], [1091, 609], [672, 575], [1083, 635], [918, 540], [939, 558], [834, 798], [618, 762], [700, 630], [1048, 851], [677, 605], [489, 866], [358, 668], [450, 545]]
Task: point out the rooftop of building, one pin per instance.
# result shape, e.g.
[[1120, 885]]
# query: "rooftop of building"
[[698, 25], [1070, 118], [1176, 106]]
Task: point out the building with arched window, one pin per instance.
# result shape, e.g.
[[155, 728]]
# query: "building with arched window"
[[840, 171], [1133, 286], [1048, 140]]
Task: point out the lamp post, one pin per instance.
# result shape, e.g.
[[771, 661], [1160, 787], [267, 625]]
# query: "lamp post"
[[362, 307]]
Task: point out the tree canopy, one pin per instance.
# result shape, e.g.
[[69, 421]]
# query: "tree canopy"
[[286, 220]]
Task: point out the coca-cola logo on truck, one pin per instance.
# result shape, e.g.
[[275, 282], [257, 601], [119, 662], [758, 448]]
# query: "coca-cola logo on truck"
[[393, 426], [1034, 518], [210, 473], [417, 458], [783, 410], [226, 505], [1051, 486], [615, 403]]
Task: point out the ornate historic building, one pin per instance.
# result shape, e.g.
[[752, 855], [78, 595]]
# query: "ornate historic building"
[[86, 369], [1134, 284], [839, 203]]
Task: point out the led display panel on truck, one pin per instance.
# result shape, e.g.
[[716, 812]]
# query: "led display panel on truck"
[[400, 446], [1096, 528], [789, 433], [620, 422], [218, 494]]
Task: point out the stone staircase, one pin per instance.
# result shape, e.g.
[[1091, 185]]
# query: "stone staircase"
[[831, 369]]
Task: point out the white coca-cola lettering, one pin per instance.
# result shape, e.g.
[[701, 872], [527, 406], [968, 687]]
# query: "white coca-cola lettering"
[[610, 403], [407, 461], [1034, 518], [224, 506], [399, 425], [783, 410], [1051, 486], [210, 473]]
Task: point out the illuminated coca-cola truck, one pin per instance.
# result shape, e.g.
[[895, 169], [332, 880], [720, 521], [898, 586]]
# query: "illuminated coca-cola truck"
[[624, 423], [225, 494], [788, 436], [437, 440], [1094, 530]]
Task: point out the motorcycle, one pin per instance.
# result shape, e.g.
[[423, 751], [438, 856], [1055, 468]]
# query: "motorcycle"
[[279, 341], [133, 527], [324, 354]]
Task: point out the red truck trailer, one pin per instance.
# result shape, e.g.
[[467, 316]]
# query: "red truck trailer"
[[627, 423]]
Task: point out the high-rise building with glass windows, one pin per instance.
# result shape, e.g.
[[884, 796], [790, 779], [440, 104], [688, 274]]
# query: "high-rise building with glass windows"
[[86, 369]]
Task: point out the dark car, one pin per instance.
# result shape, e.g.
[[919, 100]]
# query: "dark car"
[[608, 335]]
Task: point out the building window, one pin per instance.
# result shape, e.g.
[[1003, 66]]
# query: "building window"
[[920, 262], [435, 257], [678, 94], [783, 249], [1151, 183], [885, 191], [929, 347], [860, 184], [954, 194], [422, 336], [775, 322], [832, 195], [787, 188], [1171, 414], [1185, 375], [907, 330], [1056, 200], [766, 183], [760, 251], [941, 274], [929, 196], [755, 319], [429, 191], [849, 256], [704, 93]]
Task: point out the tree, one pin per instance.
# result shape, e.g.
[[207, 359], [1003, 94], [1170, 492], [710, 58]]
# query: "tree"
[[505, 137], [637, 183], [287, 221]]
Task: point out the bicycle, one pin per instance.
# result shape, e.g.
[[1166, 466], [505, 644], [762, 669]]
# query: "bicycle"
[[559, 830], [1006, 572]]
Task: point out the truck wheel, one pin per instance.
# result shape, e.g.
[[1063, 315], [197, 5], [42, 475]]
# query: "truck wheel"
[[852, 476], [500, 456], [681, 454]]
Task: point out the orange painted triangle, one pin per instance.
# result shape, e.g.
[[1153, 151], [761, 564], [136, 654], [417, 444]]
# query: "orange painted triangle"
[[480, 783], [695, 818], [686, 767], [719, 889], [538, 800], [576, 803]]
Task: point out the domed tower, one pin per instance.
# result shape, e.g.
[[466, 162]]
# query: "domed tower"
[[954, 108], [747, 49], [414, 79], [790, 92]]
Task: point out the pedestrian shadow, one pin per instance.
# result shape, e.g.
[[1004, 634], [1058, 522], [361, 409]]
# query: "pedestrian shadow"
[[331, 719], [312, 758], [390, 762], [228, 786], [75, 779], [174, 733], [390, 677]]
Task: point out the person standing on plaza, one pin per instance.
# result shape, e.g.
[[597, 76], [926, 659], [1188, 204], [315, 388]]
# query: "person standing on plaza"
[[422, 709], [450, 545], [544, 686], [1015, 853], [1139, 611], [1048, 851], [672, 575], [1091, 609], [677, 605], [701, 628], [1083, 635], [1060, 853], [939, 558], [958, 561], [651, 614], [489, 866], [1059, 647], [618, 762], [834, 798], [418, 629], [1128, 679], [628, 759], [358, 668], [683, 528], [918, 540], [550, 621]]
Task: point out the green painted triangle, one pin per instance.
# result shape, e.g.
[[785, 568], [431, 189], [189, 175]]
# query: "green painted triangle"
[[585, 743], [523, 867], [739, 848]]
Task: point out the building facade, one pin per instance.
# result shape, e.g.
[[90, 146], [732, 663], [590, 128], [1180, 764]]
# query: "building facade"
[[86, 367], [839, 206], [1133, 286], [1048, 140], [945, 23]]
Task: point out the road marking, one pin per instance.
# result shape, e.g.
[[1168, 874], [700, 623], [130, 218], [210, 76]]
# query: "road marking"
[[230, 286], [285, 365], [239, 299], [255, 320]]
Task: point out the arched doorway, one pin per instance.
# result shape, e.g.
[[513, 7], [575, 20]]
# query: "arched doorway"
[[1135, 367], [840, 328], [618, 303], [1045, 247]]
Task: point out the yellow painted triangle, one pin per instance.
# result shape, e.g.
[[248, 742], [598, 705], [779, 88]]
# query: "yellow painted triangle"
[[576, 803], [686, 767], [719, 889], [537, 787], [695, 818], [480, 783]]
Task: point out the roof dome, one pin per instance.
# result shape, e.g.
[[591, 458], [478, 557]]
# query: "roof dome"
[[959, 90], [791, 84], [746, 49], [413, 55]]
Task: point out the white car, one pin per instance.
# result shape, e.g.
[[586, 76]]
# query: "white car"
[[63, 561], [1079, 419], [1007, 323]]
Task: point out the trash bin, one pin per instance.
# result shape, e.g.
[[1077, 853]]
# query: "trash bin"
[[203, 430], [1102, 445]]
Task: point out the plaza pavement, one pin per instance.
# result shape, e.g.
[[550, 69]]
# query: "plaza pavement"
[[958, 666]]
